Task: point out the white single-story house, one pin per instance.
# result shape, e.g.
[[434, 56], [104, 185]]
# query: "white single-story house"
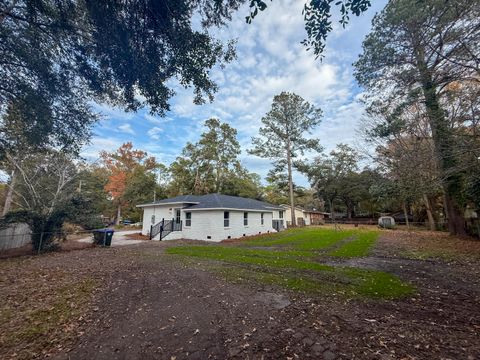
[[212, 217], [303, 217]]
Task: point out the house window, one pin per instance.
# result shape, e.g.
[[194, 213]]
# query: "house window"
[[226, 219], [177, 216], [280, 214], [245, 218], [261, 219], [188, 219], [153, 219]]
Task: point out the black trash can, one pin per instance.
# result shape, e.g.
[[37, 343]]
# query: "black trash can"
[[103, 237]]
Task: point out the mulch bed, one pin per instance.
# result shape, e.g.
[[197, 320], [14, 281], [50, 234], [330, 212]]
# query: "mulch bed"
[[138, 236]]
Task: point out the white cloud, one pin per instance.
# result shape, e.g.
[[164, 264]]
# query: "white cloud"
[[156, 120], [126, 128], [155, 132], [270, 60], [91, 151]]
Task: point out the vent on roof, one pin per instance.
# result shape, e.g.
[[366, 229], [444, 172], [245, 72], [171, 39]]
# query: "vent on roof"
[[209, 237]]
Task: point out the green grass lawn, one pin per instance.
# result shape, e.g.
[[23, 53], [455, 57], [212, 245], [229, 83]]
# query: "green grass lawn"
[[290, 259], [358, 247]]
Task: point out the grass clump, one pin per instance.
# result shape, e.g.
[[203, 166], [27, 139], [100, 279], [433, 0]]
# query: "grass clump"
[[277, 259], [378, 284], [357, 248], [303, 238]]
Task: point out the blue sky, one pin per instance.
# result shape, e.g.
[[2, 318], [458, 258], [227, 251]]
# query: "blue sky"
[[270, 59]]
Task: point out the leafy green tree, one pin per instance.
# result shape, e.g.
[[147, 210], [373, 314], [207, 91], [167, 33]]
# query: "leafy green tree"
[[308, 199], [329, 175], [277, 190], [90, 184], [113, 50], [109, 50], [243, 183], [416, 51], [208, 165], [282, 136], [43, 192], [28, 128], [141, 188]]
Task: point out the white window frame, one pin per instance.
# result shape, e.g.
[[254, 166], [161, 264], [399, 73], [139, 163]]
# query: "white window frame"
[[262, 219], [245, 218], [188, 221]]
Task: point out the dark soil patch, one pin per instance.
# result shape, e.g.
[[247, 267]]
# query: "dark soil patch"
[[155, 306], [27, 250], [20, 251]]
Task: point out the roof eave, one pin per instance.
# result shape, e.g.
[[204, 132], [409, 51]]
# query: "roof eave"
[[230, 209], [168, 203]]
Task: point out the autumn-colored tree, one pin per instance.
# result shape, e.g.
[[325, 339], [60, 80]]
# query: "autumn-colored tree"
[[122, 165]]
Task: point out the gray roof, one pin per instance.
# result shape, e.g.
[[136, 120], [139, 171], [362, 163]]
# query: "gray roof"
[[181, 199], [219, 201]]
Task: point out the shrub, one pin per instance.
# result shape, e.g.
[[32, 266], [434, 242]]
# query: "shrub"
[[44, 228]]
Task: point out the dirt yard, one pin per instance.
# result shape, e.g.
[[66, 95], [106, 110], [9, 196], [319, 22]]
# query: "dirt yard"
[[150, 301]]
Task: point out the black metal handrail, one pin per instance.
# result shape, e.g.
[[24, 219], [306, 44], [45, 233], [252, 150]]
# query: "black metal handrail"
[[164, 228]]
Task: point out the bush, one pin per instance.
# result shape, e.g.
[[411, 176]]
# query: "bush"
[[80, 211], [44, 228], [93, 222]]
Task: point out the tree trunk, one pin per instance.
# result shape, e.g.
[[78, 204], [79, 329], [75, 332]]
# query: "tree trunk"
[[431, 220], [8, 199], [455, 219], [349, 210], [444, 148], [332, 211], [290, 184], [119, 214], [405, 213]]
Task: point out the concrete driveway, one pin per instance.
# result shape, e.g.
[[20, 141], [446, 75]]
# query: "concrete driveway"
[[120, 238]]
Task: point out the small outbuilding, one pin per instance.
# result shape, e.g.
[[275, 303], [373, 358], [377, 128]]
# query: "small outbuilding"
[[386, 222]]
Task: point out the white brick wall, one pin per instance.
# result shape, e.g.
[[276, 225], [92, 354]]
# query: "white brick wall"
[[207, 223], [160, 212], [210, 223]]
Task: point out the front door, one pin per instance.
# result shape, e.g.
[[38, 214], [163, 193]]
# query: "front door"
[[177, 216]]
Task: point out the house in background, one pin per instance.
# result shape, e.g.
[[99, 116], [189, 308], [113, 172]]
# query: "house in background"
[[299, 216], [314, 217], [303, 217], [212, 217]]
